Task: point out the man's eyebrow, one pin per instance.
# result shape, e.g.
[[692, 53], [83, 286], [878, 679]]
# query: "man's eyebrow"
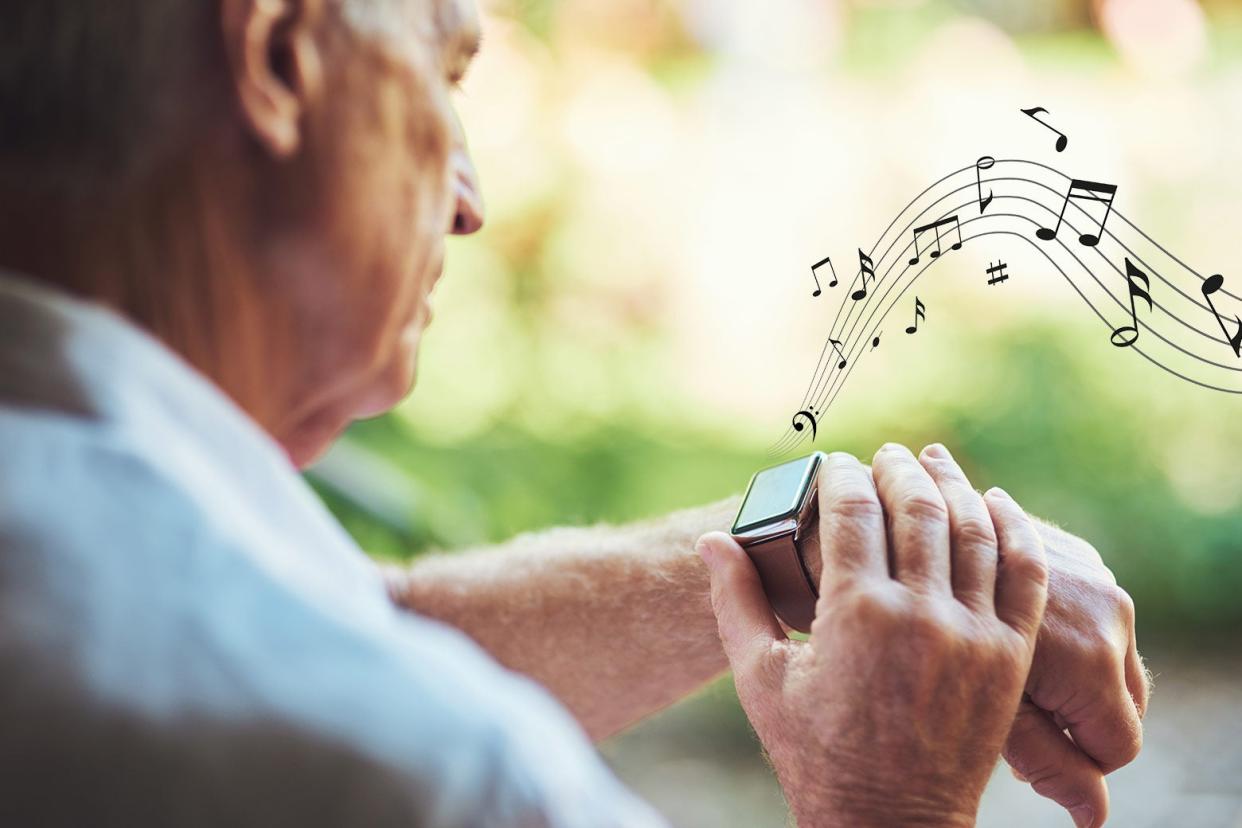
[[462, 37], [461, 57], [472, 40]]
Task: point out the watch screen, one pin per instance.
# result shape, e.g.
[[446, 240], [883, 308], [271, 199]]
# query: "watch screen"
[[775, 493]]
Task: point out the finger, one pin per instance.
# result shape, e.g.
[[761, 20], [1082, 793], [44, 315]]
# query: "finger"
[[748, 626], [1022, 574], [972, 537], [1042, 755], [1138, 677], [918, 519], [1105, 715], [1109, 729], [851, 523]]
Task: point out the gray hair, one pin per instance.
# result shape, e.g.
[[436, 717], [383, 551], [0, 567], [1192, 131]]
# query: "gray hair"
[[375, 18], [94, 89]]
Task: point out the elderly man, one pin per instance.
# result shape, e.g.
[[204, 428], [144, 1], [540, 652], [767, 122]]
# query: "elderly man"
[[220, 221]]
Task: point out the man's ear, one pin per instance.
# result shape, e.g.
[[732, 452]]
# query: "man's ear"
[[276, 65]]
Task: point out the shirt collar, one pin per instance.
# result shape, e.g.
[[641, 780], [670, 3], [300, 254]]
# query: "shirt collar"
[[65, 356]]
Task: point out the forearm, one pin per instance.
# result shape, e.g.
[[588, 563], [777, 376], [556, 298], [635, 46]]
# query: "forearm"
[[615, 621]]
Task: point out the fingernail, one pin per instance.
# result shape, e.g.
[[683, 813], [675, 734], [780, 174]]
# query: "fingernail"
[[1084, 816], [998, 492], [938, 451], [706, 551], [891, 447]]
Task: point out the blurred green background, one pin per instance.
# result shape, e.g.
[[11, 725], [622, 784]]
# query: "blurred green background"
[[634, 327], [557, 385]]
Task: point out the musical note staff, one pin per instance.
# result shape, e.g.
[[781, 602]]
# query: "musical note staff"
[[1022, 197]]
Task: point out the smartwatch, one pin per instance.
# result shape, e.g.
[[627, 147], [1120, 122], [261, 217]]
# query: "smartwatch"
[[779, 518]]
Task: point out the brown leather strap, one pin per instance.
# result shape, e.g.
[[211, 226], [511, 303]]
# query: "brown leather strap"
[[785, 580]]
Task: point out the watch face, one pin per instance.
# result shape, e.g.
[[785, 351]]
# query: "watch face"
[[776, 493]]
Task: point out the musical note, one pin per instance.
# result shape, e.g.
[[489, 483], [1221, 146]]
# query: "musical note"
[[1196, 361], [936, 225], [826, 261], [1211, 285], [1033, 112], [980, 166], [868, 268], [1089, 191], [999, 270], [810, 415], [919, 313], [836, 343], [1127, 335]]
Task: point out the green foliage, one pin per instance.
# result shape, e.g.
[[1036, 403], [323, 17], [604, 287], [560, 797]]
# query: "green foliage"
[[510, 481]]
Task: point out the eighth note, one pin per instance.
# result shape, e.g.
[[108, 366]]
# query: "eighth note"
[[936, 225], [826, 261], [1211, 285], [919, 313], [866, 266], [810, 415], [836, 343], [1127, 335], [999, 270], [1062, 142]]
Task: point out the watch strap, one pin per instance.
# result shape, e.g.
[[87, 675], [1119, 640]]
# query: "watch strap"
[[785, 579]]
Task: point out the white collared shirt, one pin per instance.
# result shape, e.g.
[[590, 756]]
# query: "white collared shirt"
[[188, 638]]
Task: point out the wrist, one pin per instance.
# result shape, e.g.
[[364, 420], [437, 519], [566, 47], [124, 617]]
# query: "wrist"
[[829, 798], [851, 813]]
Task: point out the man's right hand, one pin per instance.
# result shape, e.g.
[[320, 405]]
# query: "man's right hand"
[[895, 711]]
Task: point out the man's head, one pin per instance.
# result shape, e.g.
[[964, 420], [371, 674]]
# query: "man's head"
[[263, 184]]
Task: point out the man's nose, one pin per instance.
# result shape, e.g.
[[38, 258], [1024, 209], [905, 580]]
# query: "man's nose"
[[468, 217]]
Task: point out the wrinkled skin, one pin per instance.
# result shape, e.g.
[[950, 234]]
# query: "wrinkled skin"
[[931, 604]]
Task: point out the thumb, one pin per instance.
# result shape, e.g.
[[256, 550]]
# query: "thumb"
[[1042, 755], [748, 626]]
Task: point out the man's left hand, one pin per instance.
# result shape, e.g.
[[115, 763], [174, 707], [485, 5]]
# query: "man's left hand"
[[1087, 678]]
